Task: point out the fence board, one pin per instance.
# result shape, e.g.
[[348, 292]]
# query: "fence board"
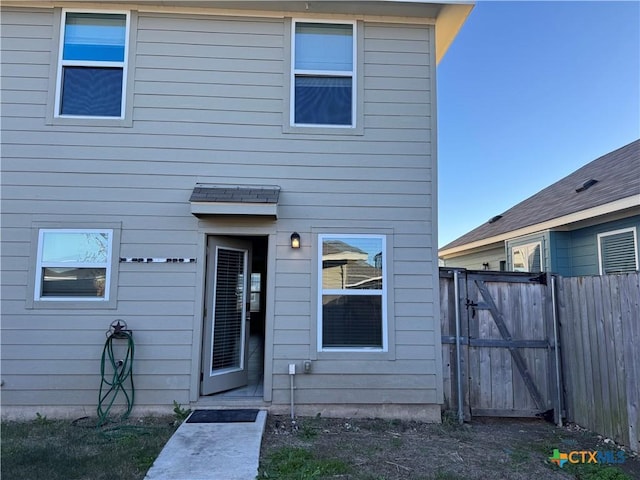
[[600, 333], [630, 299], [504, 345], [599, 338]]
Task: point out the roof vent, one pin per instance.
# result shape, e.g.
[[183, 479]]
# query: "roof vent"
[[589, 183], [495, 219]]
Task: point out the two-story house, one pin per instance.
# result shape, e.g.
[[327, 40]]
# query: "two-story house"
[[250, 186]]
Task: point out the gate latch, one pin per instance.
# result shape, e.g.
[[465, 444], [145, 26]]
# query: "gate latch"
[[473, 306]]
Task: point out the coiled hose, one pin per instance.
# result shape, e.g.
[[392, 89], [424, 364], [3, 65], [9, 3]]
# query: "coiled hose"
[[114, 379]]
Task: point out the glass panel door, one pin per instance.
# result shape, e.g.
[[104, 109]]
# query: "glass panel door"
[[226, 321]]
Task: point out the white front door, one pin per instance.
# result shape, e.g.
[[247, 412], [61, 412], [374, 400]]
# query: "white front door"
[[226, 324]]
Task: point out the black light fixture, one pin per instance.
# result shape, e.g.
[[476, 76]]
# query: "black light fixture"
[[295, 240]]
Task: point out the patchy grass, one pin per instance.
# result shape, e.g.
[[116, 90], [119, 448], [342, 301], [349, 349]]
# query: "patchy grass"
[[590, 471], [46, 449], [374, 449], [289, 463], [314, 449]]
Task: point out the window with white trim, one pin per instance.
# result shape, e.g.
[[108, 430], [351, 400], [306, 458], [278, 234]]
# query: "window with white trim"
[[527, 258], [323, 74], [618, 251], [352, 294], [74, 265], [92, 64]]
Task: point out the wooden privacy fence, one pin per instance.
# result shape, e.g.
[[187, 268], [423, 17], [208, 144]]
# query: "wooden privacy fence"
[[520, 344], [600, 333], [503, 324]]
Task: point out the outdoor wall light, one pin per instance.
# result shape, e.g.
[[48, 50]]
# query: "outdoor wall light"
[[295, 240]]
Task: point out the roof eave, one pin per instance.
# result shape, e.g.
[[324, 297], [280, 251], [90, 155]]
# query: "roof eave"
[[448, 24], [607, 208]]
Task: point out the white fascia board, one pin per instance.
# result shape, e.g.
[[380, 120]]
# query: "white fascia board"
[[223, 208]]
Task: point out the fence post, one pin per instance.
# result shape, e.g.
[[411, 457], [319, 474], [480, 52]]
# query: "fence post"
[[557, 403], [456, 290]]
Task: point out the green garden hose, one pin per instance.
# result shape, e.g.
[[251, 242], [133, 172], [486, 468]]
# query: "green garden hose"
[[115, 379]]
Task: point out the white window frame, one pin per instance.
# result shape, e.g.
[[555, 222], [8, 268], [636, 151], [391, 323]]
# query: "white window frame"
[[617, 232], [107, 265], [382, 293], [353, 74], [534, 244], [86, 63]]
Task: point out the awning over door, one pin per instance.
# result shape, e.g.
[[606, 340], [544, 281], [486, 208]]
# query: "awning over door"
[[235, 200]]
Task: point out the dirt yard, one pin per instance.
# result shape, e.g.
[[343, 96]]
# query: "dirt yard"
[[368, 449]]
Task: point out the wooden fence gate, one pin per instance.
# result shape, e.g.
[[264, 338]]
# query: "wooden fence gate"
[[500, 344]]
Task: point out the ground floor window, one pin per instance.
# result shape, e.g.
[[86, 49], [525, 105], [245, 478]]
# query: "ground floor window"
[[618, 251], [527, 258], [73, 264], [352, 293]]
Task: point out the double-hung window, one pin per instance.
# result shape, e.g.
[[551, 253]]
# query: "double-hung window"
[[74, 265], [92, 65], [618, 251], [323, 74], [352, 304]]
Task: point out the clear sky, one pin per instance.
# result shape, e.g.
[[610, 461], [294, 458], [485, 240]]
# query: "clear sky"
[[527, 93]]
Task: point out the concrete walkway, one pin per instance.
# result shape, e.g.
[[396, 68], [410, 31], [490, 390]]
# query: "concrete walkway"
[[211, 451]]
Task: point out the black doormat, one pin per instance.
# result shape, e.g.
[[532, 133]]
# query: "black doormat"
[[223, 416]]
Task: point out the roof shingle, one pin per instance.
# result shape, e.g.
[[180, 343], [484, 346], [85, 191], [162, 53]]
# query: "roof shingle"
[[235, 194]]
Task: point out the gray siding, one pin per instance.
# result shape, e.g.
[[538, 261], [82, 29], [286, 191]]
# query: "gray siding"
[[560, 247], [475, 261], [584, 245], [208, 107]]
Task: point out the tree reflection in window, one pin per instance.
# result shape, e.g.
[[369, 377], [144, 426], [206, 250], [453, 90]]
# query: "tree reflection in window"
[[73, 263]]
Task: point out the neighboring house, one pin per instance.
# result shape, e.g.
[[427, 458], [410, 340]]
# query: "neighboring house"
[[585, 224], [160, 162]]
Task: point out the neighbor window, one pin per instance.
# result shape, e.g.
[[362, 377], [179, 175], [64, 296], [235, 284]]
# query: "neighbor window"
[[73, 265], [322, 87], [527, 258], [92, 64], [618, 251], [352, 303], [255, 292]]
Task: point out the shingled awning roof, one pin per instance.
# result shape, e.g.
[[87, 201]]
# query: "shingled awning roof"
[[614, 177], [235, 200]]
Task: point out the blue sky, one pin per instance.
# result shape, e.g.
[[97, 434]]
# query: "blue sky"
[[527, 93]]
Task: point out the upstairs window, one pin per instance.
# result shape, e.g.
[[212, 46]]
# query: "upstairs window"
[[92, 65], [73, 265], [323, 92], [618, 251], [352, 301]]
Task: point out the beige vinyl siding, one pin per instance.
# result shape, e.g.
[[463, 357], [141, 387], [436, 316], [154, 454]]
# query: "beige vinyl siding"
[[397, 194], [475, 261], [208, 107]]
